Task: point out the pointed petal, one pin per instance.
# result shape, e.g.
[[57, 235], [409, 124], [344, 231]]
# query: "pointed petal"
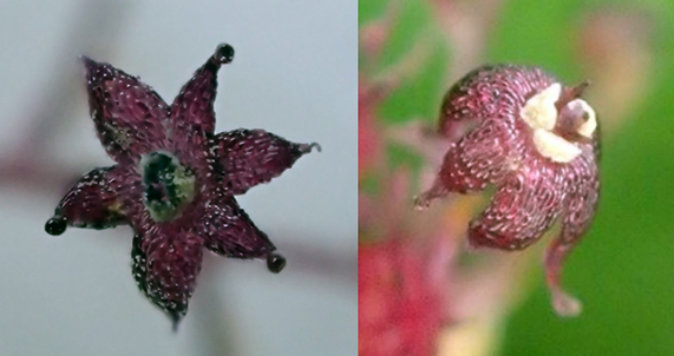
[[92, 202], [582, 182], [251, 157], [165, 268], [479, 158], [228, 230], [192, 115], [525, 205], [127, 113]]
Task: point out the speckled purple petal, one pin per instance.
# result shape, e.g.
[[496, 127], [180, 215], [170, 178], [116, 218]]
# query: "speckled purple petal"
[[480, 157], [523, 208], [127, 113], [192, 119], [251, 157], [490, 92], [227, 230], [93, 201], [578, 208], [166, 267], [474, 161]]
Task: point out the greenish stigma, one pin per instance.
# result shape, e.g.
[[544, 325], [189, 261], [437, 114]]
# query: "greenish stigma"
[[168, 186]]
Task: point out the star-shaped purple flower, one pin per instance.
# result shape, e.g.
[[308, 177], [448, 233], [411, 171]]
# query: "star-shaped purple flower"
[[175, 179], [535, 139]]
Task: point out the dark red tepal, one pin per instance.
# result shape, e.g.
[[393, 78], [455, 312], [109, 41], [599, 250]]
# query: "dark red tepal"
[[533, 138], [175, 179]]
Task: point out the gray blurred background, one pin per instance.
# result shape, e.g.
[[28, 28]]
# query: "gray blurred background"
[[294, 74]]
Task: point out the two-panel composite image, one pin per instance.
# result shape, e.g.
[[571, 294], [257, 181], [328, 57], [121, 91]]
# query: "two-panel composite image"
[[374, 177]]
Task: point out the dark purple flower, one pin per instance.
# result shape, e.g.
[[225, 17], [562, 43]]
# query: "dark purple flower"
[[175, 179], [537, 141]]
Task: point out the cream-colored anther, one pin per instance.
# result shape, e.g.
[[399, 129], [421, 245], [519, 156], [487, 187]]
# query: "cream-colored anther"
[[540, 111], [555, 147], [588, 127]]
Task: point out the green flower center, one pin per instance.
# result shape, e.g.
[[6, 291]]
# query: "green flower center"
[[168, 186]]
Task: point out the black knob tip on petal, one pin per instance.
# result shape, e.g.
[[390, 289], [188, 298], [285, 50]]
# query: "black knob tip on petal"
[[224, 53], [275, 262], [56, 225]]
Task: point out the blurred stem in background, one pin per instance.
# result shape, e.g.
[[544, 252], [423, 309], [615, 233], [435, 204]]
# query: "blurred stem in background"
[[417, 299], [28, 164]]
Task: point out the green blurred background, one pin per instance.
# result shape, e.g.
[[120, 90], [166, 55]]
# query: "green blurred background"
[[623, 269]]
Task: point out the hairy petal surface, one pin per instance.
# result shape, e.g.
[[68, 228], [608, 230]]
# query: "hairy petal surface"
[[582, 182], [251, 157], [192, 115], [492, 91], [165, 267], [523, 208], [481, 157], [93, 201], [228, 231], [128, 114]]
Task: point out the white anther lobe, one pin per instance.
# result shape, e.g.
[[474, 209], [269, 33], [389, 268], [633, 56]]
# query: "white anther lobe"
[[555, 147], [540, 111], [590, 125]]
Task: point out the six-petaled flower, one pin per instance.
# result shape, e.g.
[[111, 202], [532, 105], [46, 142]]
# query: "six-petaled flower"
[[175, 179]]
